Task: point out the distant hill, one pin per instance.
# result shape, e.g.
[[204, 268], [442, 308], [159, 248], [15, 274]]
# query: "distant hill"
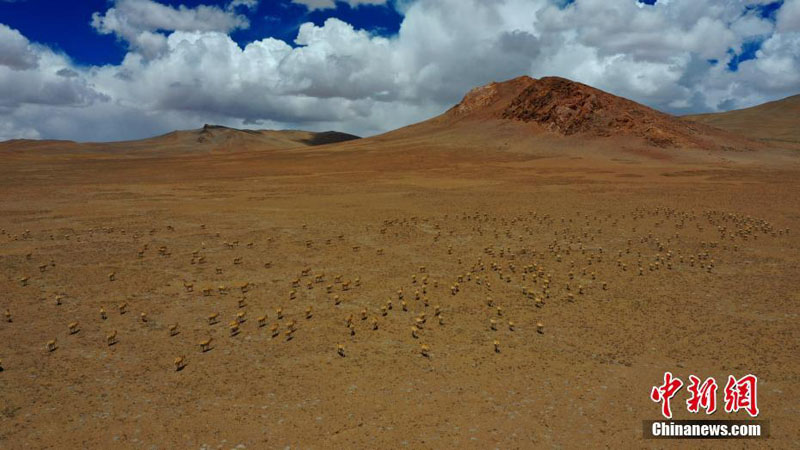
[[777, 121], [559, 115], [209, 138], [569, 108]]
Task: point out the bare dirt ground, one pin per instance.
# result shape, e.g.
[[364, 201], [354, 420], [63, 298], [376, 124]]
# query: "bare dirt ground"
[[537, 236], [475, 280]]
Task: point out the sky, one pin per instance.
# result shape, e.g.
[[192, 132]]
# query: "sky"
[[104, 70]]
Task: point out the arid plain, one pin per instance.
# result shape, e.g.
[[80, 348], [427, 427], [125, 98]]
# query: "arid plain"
[[516, 273]]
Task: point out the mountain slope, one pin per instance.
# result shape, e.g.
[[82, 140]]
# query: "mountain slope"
[[568, 108], [777, 121], [556, 114], [543, 117]]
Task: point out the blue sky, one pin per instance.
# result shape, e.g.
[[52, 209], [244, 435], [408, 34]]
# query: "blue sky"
[[66, 25], [122, 69]]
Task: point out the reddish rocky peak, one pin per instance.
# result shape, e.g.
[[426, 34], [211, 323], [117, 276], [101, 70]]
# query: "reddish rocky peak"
[[567, 107]]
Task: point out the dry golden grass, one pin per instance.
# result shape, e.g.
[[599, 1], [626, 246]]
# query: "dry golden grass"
[[472, 219]]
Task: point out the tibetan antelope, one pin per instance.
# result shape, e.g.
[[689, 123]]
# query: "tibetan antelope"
[[262, 321], [173, 329], [539, 328], [340, 350], [213, 318], [73, 327], [111, 338], [274, 329], [180, 363], [496, 346], [234, 327], [112, 276], [143, 316], [425, 350], [51, 345], [308, 313], [8, 316], [123, 308], [279, 313], [205, 345], [240, 317]]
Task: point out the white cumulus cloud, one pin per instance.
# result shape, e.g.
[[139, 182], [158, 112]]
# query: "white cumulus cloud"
[[182, 68], [330, 4], [16, 51], [789, 16], [139, 21]]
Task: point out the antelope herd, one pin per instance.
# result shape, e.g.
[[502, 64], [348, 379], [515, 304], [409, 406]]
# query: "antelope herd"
[[526, 264]]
